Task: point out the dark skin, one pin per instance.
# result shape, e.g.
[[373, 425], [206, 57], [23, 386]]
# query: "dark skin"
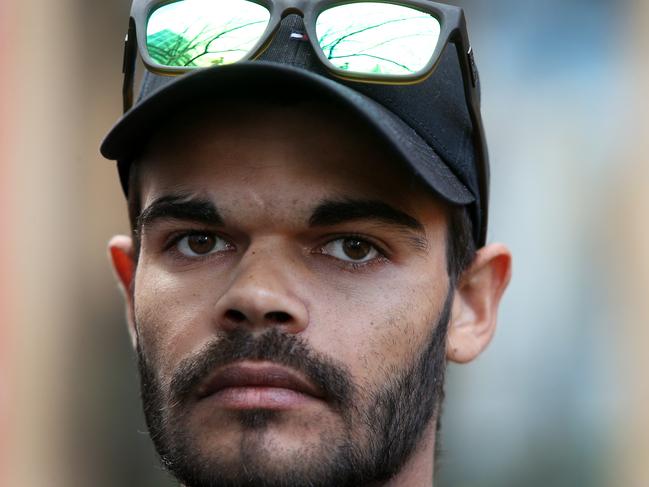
[[296, 220]]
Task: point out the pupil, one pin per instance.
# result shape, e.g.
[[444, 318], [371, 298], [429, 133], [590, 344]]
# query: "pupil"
[[201, 244], [356, 249]]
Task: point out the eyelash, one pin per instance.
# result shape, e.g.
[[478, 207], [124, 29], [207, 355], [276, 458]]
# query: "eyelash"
[[173, 240], [171, 244], [383, 255]]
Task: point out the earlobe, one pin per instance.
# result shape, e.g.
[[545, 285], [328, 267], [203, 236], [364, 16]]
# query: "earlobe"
[[475, 307], [122, 256]]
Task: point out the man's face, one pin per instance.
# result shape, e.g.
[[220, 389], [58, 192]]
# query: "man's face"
[[290, 300]]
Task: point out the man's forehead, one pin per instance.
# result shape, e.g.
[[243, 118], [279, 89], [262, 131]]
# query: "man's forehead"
[[293, 193]]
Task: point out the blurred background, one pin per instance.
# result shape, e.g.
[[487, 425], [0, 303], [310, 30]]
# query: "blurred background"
[[561, 396]]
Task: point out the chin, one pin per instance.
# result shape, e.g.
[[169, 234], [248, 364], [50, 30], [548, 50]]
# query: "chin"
[[260, 448], [271, 433]]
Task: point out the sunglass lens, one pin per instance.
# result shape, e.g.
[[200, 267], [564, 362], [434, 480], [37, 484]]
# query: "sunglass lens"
[[376, 38], [203, 33]]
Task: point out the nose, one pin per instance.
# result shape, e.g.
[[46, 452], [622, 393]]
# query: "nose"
[[262, 294]]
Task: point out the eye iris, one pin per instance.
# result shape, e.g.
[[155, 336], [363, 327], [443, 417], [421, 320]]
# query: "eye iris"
[[356, 249], [201, 244]]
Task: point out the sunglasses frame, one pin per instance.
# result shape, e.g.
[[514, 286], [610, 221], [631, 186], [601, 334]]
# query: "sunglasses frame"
[[453, 30]]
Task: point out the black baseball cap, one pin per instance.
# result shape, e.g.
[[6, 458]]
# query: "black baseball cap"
[[426, 124]]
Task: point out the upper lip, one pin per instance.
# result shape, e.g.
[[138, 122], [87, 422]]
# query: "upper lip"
[[257, 375]]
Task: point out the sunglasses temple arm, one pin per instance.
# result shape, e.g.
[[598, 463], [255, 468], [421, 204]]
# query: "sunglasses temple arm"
[[128, 67], [472, 95]]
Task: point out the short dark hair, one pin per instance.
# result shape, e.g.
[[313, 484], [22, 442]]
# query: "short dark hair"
[[460, 246]]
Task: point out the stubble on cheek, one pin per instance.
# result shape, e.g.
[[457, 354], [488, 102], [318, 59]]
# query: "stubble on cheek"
[[168, 318], [395, 337]]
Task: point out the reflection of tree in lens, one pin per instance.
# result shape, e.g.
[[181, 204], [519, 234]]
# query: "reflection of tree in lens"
[[333, 41], [389, 40], [171, 49], [202, 33]]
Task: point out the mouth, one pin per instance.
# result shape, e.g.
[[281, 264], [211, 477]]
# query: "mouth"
[[253, 385]]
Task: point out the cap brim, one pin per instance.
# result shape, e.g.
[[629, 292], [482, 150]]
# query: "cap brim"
[[270, 80]]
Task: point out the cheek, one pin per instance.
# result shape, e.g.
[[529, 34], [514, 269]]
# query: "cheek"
[[172, 313], [377, 329]]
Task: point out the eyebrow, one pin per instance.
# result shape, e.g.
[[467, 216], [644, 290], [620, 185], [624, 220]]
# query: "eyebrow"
[[180, 207], [333, 212], [328, 213]]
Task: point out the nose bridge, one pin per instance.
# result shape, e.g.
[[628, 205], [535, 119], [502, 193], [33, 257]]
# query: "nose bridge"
[[263, 291], [264, 264]]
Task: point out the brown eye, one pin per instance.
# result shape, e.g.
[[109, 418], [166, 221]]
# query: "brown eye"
[[351, 249], [356, 249], [199, 244]]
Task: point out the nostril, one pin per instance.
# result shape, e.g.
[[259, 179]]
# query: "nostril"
[[278, 317], [235, 316]]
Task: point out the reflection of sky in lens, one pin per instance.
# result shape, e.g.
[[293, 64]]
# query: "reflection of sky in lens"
[[204, 32], [378, 38]]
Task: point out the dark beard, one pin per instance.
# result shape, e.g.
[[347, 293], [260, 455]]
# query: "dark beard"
[[394, 416]]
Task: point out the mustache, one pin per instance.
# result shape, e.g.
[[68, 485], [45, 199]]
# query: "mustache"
[[274, 346]]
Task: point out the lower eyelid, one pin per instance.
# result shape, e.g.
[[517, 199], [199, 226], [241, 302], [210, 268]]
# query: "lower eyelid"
[[351, 266], [179, 256]]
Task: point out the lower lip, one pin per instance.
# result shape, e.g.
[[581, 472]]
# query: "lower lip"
[[277, 398]]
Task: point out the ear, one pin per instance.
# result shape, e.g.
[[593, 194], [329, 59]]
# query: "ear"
[[122, 256], [475, 306]]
